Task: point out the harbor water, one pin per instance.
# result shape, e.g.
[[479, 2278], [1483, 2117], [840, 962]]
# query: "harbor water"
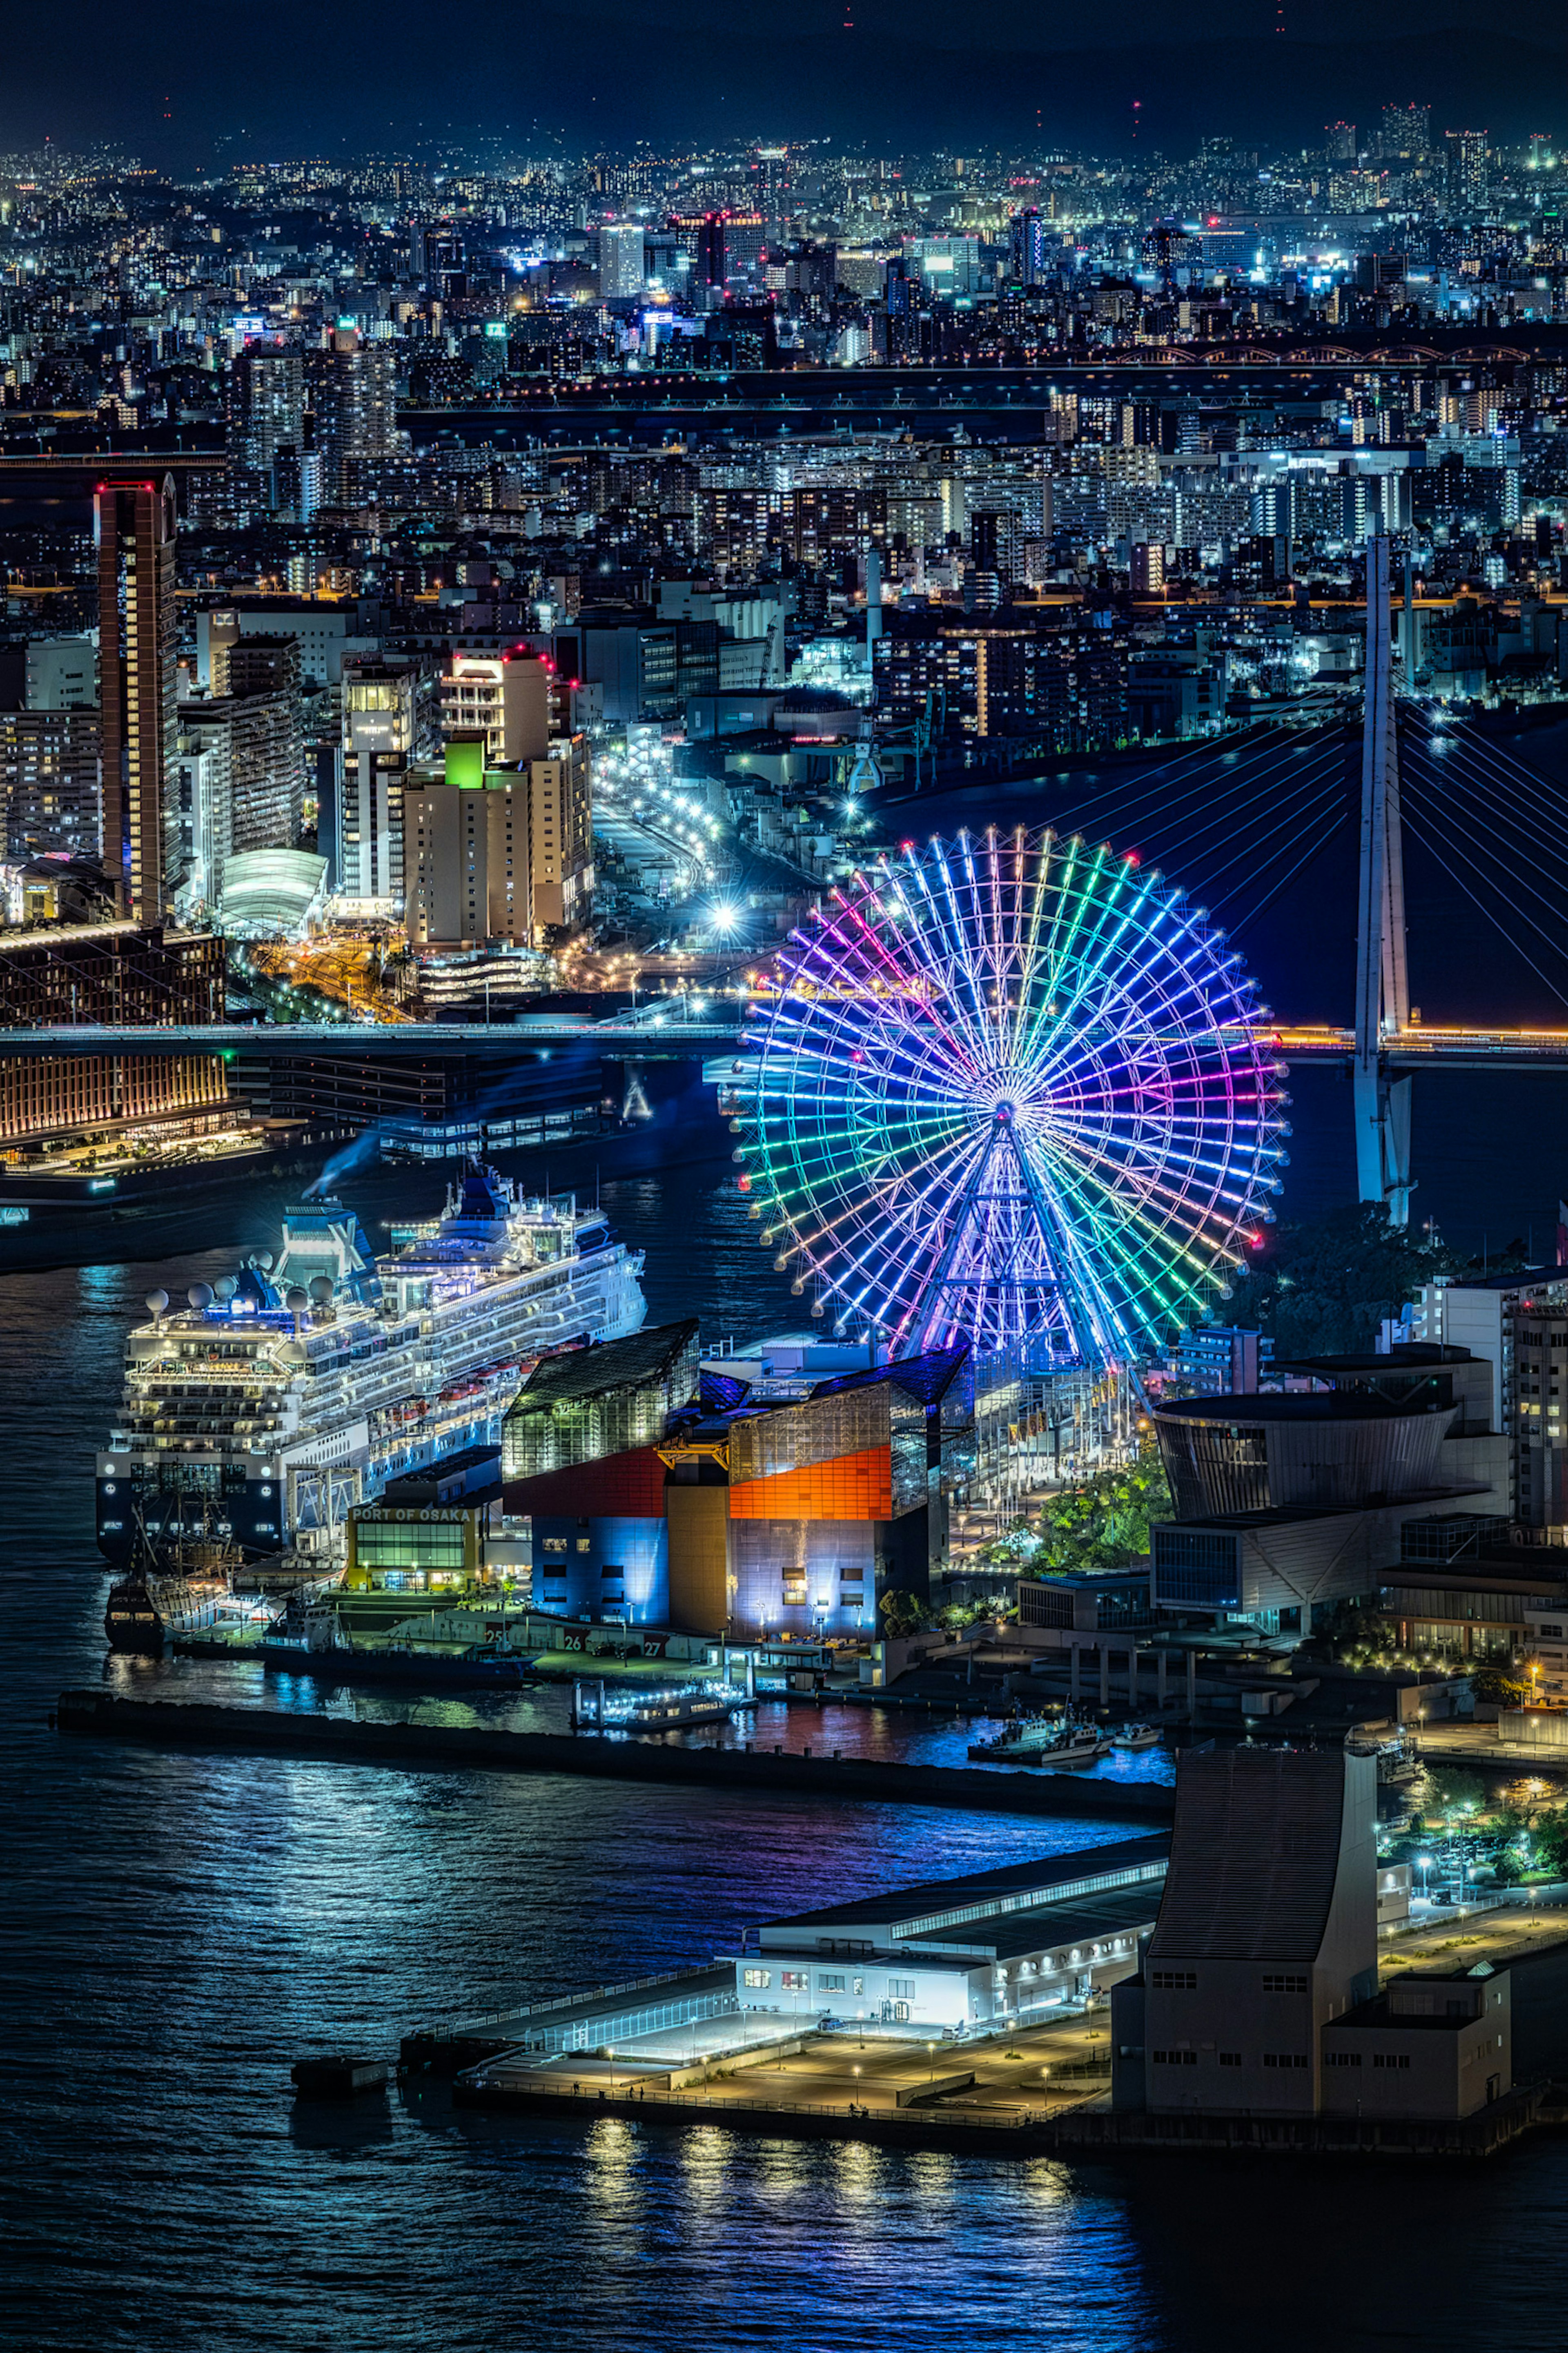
[[180, 1928]]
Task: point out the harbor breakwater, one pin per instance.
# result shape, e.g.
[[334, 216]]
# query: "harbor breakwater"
[[464, 1747]]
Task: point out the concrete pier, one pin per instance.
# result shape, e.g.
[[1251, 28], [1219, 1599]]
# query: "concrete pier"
[[459, 1748], [954, 2113]]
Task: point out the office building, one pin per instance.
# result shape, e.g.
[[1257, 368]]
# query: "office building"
[[326, 635], [505, 698], [466, 832], [1468, 173], [1517, 1325], [133, 527], [560, 838], [110, 973], [1146, 568], [267, 408], [61, 674], [49, 783], [497, 853], [201, 789], [1463, 1592], [240, 770], [351, 390], [730, 248], [380, 717], [1213, 1359], [1029, 251], [1406, 129], [255, 662], [622, 261]]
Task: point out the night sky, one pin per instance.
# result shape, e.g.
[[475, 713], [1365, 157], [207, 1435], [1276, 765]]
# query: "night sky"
[[193, 88]]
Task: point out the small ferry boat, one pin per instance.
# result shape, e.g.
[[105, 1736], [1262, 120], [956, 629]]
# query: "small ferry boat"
[[1135, 1736], [683, 1710]]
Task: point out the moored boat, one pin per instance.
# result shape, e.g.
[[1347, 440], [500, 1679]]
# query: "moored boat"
[[1057, 1742]]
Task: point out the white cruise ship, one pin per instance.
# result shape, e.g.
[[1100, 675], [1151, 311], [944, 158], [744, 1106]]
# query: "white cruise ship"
[[270, 1402]]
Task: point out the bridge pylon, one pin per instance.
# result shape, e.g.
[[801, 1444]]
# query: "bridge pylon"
[[1382, 1102]]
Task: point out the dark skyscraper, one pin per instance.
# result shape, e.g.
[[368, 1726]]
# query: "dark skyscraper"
[[133, 524], [1029, 257]]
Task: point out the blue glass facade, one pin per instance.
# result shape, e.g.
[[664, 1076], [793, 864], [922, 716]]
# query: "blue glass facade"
[[596, 1568]]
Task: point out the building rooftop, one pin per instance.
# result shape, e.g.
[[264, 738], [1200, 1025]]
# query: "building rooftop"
[[935, 1903], [1280, 1515], [1074, 1920], [1413, 1356], [582, 1374], [1254, 1855], [1355, 1405]]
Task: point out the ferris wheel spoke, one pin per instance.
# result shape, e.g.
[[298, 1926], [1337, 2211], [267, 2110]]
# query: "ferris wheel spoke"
[[1011, 1086]]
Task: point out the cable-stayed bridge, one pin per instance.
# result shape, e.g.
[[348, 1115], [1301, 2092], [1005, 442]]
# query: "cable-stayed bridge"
[[1237, 822]]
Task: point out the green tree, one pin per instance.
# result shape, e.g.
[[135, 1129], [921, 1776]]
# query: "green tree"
[[902, 1613], [1353, 1626], [1455, 1789], [1495, 1689], [1017, 1544], [1323, 1286], [1102, 1521]]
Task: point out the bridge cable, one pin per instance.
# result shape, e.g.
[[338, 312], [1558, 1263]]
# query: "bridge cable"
[[1315, 851], [1319, 808], [1492, 919], [1146, 799], [1511, 855], [1460, 751]]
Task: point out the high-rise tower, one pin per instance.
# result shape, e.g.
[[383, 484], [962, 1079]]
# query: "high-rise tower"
[[133, 524]]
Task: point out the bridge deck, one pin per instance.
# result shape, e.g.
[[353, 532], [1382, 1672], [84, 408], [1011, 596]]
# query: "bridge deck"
[[670, 1037]]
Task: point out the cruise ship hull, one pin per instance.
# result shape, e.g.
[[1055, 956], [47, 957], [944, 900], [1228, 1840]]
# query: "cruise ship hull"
[[263, 1415]]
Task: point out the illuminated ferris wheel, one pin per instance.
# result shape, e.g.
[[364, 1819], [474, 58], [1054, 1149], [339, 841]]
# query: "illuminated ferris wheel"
[[1014, 1088]]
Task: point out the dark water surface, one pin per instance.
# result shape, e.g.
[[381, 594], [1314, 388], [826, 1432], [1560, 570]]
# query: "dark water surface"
[[179, 1929]]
